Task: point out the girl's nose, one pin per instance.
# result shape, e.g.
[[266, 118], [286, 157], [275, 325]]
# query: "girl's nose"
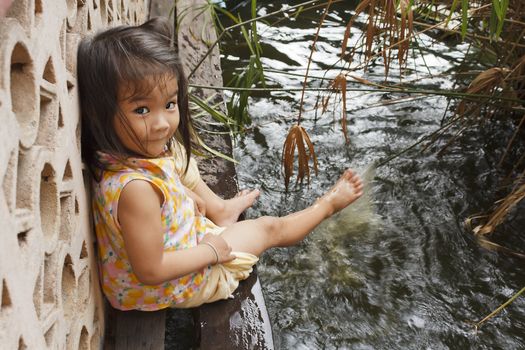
[[161, 123]]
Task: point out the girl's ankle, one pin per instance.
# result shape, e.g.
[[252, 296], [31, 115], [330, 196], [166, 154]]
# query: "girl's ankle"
[[325, 206]]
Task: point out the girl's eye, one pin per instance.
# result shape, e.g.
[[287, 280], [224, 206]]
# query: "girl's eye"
[[142, 110], [171, 105]]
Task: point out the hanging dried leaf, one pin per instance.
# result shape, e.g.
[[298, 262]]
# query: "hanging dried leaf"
[[339, 85], [299, 140], [501, 211], [360, 8], [499, 248], [326, 99], [389, 28], [488, 79], [406, 30], [486, 83]]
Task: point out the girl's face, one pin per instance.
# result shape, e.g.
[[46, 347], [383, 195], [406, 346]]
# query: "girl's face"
[[153, 118]]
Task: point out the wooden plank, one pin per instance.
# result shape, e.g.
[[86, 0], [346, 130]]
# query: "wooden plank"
[[139, 330], [236, 324]]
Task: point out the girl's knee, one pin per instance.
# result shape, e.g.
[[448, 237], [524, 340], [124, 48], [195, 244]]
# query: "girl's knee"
[[272, 227]]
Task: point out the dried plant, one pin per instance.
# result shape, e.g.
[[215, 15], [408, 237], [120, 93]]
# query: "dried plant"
[[339, 85], [298, 140], [499, 309], [489, 83], [494, 26], [389, 22], [504, 207]]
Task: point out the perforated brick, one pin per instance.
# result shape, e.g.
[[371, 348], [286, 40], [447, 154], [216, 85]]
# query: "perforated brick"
[[49, 289]]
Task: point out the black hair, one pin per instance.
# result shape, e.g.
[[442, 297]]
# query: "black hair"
[[125, 55]]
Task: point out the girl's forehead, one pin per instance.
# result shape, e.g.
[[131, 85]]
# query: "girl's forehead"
[[166, 84]]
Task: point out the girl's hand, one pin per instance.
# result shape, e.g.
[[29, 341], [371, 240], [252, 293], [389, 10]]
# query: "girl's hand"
[[199, 204], [218, 247]]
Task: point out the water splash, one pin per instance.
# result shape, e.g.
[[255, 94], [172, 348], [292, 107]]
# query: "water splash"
[[360, 216]]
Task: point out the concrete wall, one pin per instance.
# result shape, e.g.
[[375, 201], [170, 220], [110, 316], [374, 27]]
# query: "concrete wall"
[[48, 284]]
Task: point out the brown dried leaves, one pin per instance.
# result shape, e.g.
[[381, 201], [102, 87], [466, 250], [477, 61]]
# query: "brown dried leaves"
[[299, 140], [390, 22], [501, 211], [486, 83], [339, 84]]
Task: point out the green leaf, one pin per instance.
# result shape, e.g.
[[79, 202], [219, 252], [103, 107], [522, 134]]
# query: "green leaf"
[[496, 6], [464, 19], [247, 39], [497, 17], [215, 152], [298, 12], [504, 8], [452, 9], [217, 115]]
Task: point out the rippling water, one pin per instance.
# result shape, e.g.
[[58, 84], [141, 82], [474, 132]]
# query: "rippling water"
[[397, 270]]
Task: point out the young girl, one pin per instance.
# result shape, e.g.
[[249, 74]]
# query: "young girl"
[[154, 217]]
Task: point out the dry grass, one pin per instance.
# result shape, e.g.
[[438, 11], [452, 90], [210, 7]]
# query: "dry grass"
[[339, 85], [298, 140], [503, 208], [389, 22]]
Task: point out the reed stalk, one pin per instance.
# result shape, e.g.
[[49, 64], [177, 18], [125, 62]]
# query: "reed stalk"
[[499, 309]]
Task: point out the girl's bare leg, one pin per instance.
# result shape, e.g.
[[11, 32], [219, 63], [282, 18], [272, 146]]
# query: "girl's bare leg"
[[225, 212], [256, 236]]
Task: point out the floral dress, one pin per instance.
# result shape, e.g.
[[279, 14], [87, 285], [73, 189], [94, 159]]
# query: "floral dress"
[[182, 229]]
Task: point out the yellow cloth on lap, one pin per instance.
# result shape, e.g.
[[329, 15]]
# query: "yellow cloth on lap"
[[222, 281], [223, 278]]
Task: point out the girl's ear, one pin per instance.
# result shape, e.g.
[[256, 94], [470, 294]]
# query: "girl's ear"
[[159, 25]]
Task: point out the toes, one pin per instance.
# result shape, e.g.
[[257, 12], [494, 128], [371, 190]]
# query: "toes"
[[247, 195], [242, 193], [349, 174]]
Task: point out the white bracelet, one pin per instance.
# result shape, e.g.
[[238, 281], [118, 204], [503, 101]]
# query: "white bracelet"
[[214, 250]]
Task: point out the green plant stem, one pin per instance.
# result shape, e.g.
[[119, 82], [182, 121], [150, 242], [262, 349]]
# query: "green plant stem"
[[400, 90], [237, 25], [294, 74], [501, 307]]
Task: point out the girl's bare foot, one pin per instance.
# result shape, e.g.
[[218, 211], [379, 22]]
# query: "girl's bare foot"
[[346, 190], [235, 206]]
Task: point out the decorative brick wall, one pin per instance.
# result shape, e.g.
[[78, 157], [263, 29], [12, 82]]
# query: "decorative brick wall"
[[48, 283]]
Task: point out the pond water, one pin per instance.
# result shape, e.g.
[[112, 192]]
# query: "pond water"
[[398, 269]]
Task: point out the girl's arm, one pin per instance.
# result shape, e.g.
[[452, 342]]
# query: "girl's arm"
[[139, 214]]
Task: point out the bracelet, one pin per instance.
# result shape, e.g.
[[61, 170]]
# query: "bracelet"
[[214, 250]]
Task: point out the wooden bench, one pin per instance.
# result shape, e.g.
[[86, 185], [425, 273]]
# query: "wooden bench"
[[236, 324]]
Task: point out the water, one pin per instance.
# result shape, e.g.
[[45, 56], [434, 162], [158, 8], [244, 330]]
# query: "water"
[[398, 270]]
